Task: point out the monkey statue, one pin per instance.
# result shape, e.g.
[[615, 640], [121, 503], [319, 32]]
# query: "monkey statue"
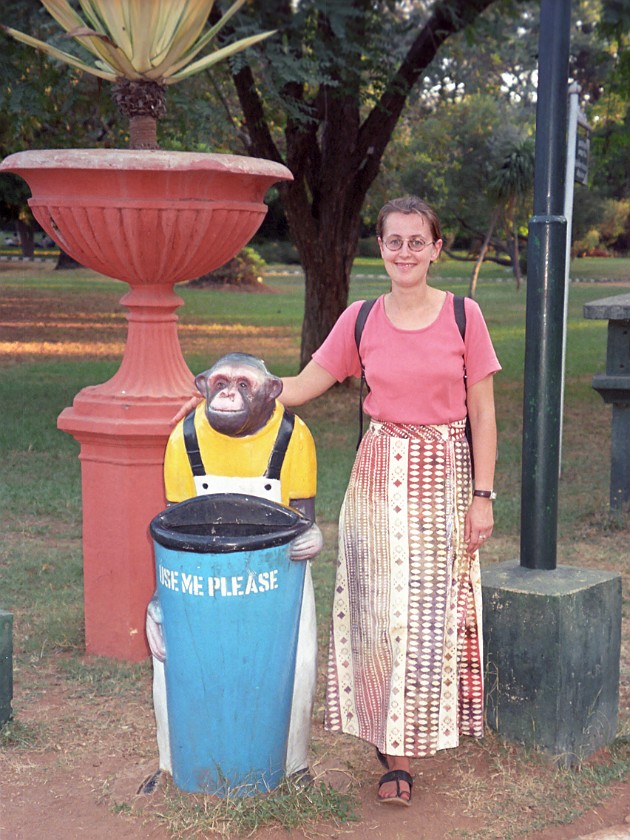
[[240, 439]]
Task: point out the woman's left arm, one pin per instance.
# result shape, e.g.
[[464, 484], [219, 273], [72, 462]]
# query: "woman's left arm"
[[480, 402]]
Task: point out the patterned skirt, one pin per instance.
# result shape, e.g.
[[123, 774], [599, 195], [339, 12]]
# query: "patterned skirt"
[[405, 658]]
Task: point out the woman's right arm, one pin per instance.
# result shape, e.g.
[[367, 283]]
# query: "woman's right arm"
[[311, 382]]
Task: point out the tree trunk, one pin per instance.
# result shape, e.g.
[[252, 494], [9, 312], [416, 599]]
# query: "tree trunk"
[[334, 157], [143, 103], [327, 261], [65, 262], [27, 238], [143, 133], [326, 236], [516, 259], [482, 254]]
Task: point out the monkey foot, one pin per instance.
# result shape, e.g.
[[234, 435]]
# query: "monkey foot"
[[302, 778], [149, 785]]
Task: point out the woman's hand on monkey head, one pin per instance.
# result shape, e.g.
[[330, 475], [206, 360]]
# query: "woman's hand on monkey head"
[[187, 407]]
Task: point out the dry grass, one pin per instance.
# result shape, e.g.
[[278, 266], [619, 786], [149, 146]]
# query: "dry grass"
[[522, 791]]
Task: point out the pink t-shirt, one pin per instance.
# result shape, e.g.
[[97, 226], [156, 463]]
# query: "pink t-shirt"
[[415, 376]]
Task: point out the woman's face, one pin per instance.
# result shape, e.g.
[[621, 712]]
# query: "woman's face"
[[405, 266]]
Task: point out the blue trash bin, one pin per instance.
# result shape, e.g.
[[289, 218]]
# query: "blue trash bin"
[[231, 601]]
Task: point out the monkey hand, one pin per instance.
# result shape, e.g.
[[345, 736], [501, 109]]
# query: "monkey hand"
[[155, 637], [308, 544]]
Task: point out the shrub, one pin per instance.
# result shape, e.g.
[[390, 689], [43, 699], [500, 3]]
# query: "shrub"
[[245, 269], [589, 244], [278, 251]]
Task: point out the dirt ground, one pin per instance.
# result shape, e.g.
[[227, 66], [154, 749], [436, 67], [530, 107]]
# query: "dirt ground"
[[78, 773], [81, 778]]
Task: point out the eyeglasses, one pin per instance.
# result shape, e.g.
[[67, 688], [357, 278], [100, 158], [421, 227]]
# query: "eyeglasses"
[[395, 243]]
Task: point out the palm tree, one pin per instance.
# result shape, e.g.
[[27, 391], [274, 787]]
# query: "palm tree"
[[512, 182], [142, 48]]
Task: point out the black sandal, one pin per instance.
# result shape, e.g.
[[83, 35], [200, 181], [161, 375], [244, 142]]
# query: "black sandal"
[[397, 776]]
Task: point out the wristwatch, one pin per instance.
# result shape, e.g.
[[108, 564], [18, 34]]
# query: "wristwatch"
[[485, 494]]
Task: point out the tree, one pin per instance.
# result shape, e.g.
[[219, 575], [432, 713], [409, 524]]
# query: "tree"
[[478, 98], [512, 182], [609, 92], [457, 150], [340, 76]]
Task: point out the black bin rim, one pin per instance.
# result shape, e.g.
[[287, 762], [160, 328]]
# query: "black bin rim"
[[272, 524]]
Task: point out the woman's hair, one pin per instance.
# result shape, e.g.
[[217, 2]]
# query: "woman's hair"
[[409, 204]]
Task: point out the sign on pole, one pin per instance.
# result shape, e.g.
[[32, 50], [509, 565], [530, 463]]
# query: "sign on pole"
[[582, 150], [578, 148]]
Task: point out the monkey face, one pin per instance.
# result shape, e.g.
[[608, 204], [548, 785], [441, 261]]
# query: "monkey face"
[[240, 398]]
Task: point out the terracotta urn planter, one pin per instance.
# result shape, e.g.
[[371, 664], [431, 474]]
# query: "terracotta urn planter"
[[151, 219]]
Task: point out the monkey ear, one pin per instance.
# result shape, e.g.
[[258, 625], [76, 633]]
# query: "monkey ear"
[[274, 387], [201, 383]]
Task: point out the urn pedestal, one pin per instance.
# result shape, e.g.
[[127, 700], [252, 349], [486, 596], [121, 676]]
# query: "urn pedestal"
[[151, 219]]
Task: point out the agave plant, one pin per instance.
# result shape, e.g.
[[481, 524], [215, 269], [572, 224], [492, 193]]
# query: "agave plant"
[[141, 47]]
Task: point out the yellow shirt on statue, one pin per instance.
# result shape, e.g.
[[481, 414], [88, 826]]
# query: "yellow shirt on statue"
[[241, 456]]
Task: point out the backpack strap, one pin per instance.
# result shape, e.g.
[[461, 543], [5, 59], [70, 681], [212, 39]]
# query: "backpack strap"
[[281, 445], [460, 314], [364, 311], [460, 317], [192, 445]]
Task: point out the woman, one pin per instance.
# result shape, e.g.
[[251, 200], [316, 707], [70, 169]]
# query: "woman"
[[405, 661]]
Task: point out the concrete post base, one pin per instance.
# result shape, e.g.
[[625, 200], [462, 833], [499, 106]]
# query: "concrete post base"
[[553, 643]]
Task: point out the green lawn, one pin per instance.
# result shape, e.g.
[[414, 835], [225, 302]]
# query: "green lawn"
[[40, 493], [52, 382], [30, 441]]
